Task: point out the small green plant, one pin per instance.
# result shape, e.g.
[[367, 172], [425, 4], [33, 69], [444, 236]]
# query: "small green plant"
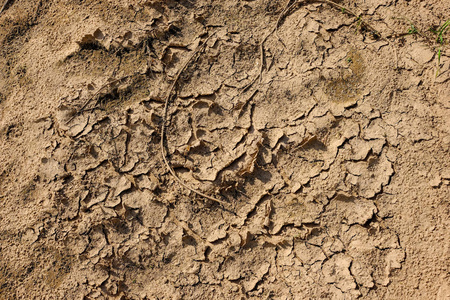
[[358, 23], [439, 56], [440, 32], [412, 29]]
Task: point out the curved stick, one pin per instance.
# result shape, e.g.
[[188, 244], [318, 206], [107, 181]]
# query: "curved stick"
[[163, 129]]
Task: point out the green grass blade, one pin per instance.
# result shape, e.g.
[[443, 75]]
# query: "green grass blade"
[[441, 31]]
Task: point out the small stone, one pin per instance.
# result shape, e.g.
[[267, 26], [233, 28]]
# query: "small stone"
[[436, 181], [445, 174]]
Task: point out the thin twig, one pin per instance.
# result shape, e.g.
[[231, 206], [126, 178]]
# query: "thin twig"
[[261, 44], [4, 6], [287, 9], [163, 129], [274, 29], [350, 12], [190, 232], [280, 18], [262, 60], [83, 107]]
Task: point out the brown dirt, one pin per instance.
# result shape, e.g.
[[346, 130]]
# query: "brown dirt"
[[330, 160]]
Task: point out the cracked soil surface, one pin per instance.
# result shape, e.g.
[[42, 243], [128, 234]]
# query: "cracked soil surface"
[[320, 138]]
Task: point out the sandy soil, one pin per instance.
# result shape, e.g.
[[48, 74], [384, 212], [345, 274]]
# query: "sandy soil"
[[224, 150]]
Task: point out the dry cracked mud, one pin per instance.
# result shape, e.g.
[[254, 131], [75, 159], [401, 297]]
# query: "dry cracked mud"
[[319, 132]]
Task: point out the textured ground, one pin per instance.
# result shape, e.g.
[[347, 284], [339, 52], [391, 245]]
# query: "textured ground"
[[324, 137]]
